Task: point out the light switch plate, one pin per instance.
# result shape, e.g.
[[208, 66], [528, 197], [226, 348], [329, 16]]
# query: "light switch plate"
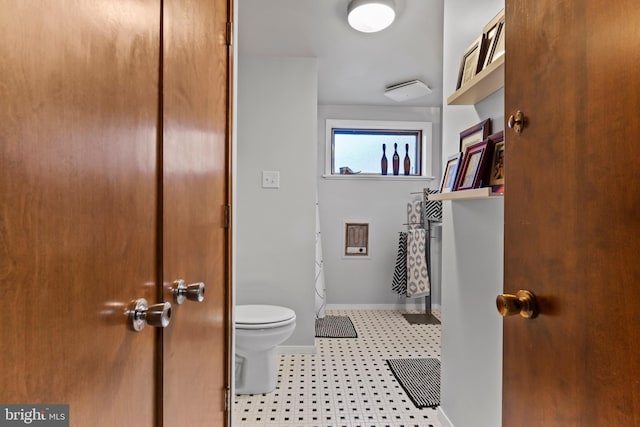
[[270, 179]]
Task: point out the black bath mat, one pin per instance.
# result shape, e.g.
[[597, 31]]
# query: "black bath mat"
[[420, 379], [335, 327]]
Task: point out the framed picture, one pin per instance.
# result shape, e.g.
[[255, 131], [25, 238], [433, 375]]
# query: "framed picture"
[[473, 165], [495, 47], [450, 173], [474, 134], [496, 170], [470, 62]]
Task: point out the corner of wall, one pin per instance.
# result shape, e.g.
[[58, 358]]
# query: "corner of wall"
[[472, 232], [275, 238]]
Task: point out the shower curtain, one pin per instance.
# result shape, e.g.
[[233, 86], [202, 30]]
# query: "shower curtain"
[[321, 292]]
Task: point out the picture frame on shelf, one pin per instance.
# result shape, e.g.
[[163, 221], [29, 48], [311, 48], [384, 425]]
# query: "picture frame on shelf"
[[475, 134], [450, 174], [496, 169], [499, 47], [473, 166], [470, 62], [494, 36]]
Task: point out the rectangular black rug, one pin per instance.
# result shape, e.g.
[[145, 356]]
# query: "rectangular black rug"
[[335, 327], [420, 379]]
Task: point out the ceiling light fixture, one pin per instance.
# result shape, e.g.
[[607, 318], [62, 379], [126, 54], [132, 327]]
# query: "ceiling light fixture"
[[370, 16]]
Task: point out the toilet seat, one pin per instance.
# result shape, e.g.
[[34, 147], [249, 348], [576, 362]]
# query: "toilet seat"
[[263, 316]]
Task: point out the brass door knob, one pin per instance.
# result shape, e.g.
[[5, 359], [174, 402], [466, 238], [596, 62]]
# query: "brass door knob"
[[523, 303], [517, 122]]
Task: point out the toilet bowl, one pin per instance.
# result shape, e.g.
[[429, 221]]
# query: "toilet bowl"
[[259, 330]]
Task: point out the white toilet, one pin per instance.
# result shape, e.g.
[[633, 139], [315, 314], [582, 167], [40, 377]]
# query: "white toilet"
[[259, 330]]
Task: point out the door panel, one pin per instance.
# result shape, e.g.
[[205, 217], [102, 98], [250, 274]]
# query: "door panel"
[[571, 222], [195, 347], [78, 121]]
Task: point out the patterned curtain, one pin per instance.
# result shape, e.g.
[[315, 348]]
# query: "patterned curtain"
[[321, 291]]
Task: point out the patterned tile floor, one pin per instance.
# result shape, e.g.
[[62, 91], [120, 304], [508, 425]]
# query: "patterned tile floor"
[[347, 383]]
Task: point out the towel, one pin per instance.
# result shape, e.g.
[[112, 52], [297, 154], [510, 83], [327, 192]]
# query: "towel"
[[414, 215], [417, 275], [399, 282], [432, 208]]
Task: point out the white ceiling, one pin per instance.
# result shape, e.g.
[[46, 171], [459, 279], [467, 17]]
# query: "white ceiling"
[[353, 68]]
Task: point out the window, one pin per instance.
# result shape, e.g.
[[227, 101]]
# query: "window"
[[356, 147]]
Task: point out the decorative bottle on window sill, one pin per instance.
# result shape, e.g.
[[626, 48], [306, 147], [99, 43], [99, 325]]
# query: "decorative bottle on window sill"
[[396, 159], [407, 160], [383, 162]]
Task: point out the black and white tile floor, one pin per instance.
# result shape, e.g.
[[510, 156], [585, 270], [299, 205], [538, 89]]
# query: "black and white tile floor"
[[347, 383]]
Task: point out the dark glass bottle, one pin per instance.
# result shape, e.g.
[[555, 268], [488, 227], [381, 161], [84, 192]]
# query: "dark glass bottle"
[[407, 160], [383, 162], [396, 160]]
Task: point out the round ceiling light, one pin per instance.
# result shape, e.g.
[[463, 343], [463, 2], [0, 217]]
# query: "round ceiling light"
[[370, 16]]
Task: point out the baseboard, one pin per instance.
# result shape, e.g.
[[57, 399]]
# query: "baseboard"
[[399, 306], [296, 349], [442, 417]]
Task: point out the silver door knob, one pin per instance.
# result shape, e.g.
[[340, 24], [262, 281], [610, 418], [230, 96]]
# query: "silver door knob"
[[140, 314], [192, 291]]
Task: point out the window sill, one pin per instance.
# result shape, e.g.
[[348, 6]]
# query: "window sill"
[[371, 177]]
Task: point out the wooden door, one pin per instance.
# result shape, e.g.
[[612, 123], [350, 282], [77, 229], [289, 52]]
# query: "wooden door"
[[78, 120], [571, 213], [195, 152]]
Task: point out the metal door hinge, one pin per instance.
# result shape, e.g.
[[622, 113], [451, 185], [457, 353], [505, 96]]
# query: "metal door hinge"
[[227, 216], [227, 399], [229, 33]]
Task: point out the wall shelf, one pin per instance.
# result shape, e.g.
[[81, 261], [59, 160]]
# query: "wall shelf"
[[476, 193], [480, 86]]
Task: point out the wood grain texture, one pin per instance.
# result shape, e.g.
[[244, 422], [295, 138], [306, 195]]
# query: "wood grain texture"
[[571, 224], [77, 207], [195, 155]]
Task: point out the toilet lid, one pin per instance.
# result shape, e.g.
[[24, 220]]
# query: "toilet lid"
[[262, 314]]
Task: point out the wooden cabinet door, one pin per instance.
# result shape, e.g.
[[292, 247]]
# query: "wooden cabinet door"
[[78, 120], [571, 213], [195, 360]]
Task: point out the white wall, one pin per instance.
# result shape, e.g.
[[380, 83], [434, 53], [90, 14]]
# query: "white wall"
[[275, 228], [380, 202], [472, 249]]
